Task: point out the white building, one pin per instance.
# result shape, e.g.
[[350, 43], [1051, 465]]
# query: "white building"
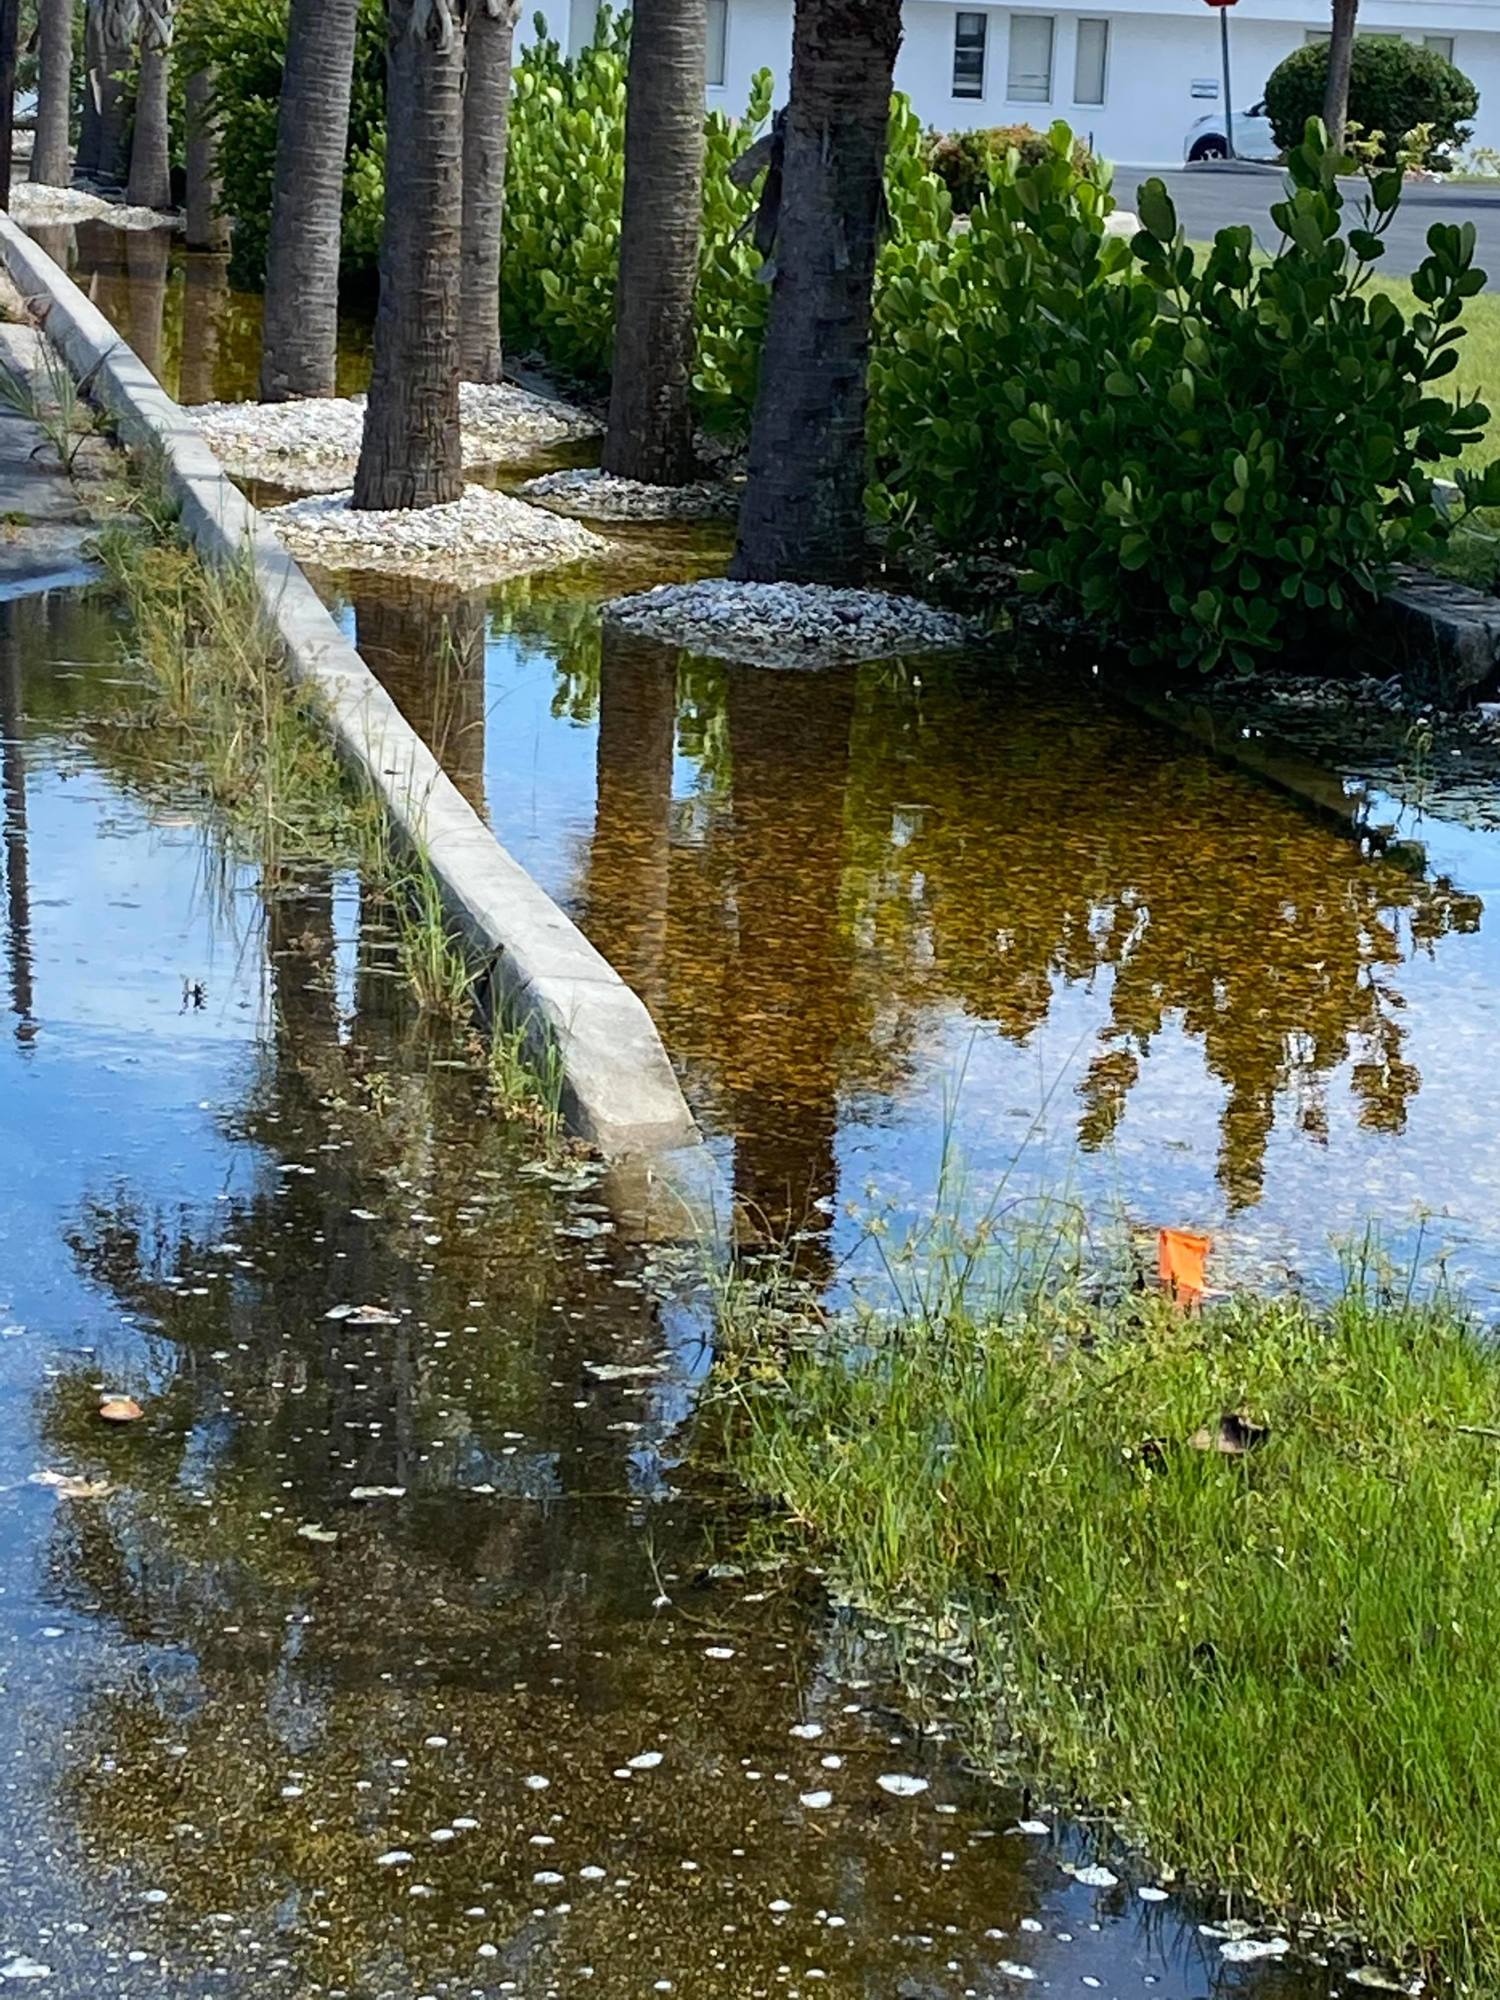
[[1134, 75]]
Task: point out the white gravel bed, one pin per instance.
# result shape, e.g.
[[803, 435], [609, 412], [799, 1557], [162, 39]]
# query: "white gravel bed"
[[314, 444], [481, 538], [788, 624], [30, 203], [591, 495]]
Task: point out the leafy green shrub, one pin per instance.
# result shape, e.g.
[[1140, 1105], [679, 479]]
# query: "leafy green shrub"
[[1393, 87], [244, 41], [1205, 455], [967, 162]]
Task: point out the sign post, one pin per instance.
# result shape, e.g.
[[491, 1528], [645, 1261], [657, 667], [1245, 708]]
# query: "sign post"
[[1224, 6]]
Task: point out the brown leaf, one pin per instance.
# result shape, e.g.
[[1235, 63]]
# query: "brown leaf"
[[121, 1410]]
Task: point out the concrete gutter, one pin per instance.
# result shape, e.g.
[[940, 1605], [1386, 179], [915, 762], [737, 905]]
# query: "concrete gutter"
[[620, 1092]]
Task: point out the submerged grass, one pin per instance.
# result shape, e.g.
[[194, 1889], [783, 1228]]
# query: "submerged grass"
[[1276, 1667], [255, 747]]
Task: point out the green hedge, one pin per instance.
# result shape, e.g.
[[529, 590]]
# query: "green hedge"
[[1394, 87]]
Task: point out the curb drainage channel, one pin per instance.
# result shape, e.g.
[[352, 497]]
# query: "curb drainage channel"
[[620, 1091]]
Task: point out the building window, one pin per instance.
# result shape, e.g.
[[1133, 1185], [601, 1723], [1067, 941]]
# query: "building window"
[[718, 42], [1441, 45], [1028, 79], [970, 43], [1090, 62]]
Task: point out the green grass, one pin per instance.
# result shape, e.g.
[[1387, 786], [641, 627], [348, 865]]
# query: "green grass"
[[1279, 1672]]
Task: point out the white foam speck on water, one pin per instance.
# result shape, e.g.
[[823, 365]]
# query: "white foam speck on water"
[[1031, 1826], [1246, 1951], [816, 1801], [645, 1760], [537, 1783], [808, 1731], [22, 1967], [900, 1785], [1095, 1876], [1149, 1893], [395, 1857]]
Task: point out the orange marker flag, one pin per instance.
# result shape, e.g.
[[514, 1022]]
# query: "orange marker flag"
[[1180, 1258]]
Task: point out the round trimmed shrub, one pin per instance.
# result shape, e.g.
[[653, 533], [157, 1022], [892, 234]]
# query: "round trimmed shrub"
[[967, 162], [1393, 87]]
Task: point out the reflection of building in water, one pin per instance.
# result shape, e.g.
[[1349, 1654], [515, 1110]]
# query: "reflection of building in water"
[[424, 641]]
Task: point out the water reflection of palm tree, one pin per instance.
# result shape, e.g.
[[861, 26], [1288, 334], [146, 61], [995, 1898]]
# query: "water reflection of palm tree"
[[424, 641], [626, 893], [205, 292], [13, 803], [147, 252], [790, 994]]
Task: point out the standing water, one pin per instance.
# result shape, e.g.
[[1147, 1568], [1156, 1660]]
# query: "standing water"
[[397, 1650]]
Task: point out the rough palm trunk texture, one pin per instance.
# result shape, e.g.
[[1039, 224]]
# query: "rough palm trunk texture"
[[491, 38], [150, 184], [803, 515], [118, 21], [411, 454], [207, 229], [299, 355], [650, 431], [1340, 52], [51, 155]]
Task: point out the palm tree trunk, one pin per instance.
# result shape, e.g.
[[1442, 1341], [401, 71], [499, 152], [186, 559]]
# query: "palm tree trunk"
[[491, 39], [51, 154], [650, 431], [803, 515], [150, 184], [207, 229], [118, 21], [411, 456], [300, 352], [1340, 55]]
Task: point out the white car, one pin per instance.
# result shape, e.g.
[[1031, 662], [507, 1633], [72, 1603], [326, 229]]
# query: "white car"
[[1253, 138]]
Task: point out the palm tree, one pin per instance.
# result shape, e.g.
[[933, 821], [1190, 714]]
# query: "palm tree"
[[803, 514], [150, 184], [206, 227], [1340, 55], [51, 154], [491, 38], [411, 455], [299, 356], [650, 431], [110, 31]]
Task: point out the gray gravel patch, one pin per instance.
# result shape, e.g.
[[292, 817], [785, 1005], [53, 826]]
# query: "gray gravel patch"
[[483, 537], [591, 495], [313, 445], [789, 625]]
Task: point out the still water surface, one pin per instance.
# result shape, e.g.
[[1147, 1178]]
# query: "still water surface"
[[232, 1687]]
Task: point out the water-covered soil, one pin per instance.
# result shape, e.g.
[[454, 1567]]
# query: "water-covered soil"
[[396, 1651]]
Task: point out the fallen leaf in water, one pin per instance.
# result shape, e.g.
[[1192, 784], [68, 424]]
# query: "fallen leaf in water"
[[121, 1410], [314, 1531], [1180, 1258], [67, 1486], [377, 1493], [22, 1967], [1095, 1876], [373, 1316], [1234, 1436], [816, 1801]]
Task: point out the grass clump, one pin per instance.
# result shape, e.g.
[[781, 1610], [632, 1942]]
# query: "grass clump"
[[255, 746], [1275, 1665]]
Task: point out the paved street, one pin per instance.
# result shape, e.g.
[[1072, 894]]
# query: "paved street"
[[1209, 198]]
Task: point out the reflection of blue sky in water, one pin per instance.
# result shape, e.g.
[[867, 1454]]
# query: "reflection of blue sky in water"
[[1379, 1108]]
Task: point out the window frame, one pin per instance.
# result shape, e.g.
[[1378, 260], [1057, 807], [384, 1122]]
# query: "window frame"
[[719, 82], [982, 16], [1092, 21], [1051, 22]]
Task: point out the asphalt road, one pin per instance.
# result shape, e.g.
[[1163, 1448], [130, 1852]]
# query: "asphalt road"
[[1211, 197]]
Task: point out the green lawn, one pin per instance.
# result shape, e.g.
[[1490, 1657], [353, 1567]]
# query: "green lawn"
[[1229, 1576]]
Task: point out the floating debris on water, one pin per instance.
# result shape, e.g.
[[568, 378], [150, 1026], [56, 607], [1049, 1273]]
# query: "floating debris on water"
[[900, 1785]]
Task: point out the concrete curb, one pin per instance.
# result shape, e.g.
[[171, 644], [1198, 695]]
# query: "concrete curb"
[[620, 1092]]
